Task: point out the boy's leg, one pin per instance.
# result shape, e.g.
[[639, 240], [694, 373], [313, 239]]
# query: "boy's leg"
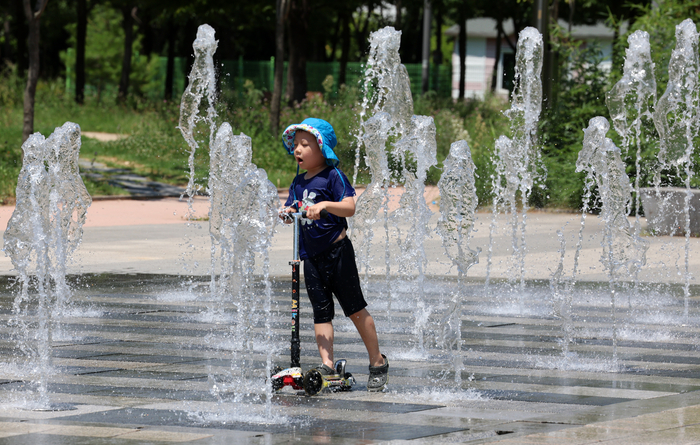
[[324, 341], [365, 326]]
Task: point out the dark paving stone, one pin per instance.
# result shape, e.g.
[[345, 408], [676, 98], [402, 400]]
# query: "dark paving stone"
[[495, 336], [64, 352], [614, 383], [544, 397], [138, 330], [83, 370], [680, 373], [322, 402], [121, 391], [170, 359], [316, 428], [688, 360], [155, 375]]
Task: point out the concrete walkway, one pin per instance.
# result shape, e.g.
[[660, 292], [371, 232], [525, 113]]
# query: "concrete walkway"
[[155, 236], [143, 360]]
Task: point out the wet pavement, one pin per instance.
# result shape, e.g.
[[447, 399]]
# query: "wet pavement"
[[141, 359]]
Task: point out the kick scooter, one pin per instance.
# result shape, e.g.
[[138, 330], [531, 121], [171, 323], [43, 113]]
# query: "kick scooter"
[[313, 382]]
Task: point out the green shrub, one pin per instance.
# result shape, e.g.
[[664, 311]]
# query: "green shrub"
[[580, 96]]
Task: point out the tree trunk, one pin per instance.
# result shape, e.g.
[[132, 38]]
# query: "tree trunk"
[[572, 7], [499, 37], [296, 73], [128, 24], [425, 59], [34, 20], [345, 49], [21, 35], [80, 52], [170, 66], [397, 23], [462, 45], [437, 55], [281, 13]]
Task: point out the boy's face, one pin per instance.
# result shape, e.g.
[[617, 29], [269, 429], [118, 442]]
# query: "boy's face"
[[307, 152]]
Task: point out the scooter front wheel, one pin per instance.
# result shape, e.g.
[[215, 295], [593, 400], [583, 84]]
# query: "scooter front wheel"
[[278, 383], [313, 382]]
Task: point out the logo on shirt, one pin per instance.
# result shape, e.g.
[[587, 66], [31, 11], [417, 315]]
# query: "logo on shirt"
[[307, 201]]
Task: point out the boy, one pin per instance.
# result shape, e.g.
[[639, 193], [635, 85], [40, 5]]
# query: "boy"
[[329, 258]]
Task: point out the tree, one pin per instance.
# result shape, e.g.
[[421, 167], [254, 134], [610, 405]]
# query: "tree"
[[281, 11], [128, 18], [171, 31], [80, 51], [34, 21], [425, 53], [21, 35], [501, 10], [344, 18], [299, 11], [462, 46]]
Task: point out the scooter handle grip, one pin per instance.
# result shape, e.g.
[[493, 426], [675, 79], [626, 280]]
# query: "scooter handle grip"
[[324, 214]]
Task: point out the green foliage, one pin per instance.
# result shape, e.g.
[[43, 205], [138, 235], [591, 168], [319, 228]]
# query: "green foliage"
[[155, 148], [580, 96], [479, 122], [10, 164], [11, 87], [251, 115], [660, 22], [104, 48]]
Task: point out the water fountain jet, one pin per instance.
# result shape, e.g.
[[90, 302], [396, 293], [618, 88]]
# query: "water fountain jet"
[[42, 234]]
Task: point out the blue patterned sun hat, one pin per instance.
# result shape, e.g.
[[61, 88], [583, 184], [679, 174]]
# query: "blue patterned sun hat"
[[322, 130]]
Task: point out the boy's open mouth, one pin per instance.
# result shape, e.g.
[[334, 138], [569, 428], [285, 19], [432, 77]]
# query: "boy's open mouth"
[[299, 160]]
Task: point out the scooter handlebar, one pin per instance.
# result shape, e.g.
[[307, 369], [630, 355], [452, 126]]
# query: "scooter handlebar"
[[324, 214]]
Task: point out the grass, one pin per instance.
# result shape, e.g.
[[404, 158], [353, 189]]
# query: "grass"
[[154, 148]]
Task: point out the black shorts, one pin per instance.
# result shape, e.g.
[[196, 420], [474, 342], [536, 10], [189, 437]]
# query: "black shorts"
[[333, 272]]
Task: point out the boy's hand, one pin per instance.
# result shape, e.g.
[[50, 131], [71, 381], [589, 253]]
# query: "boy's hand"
[[314, 212], [284, 214]]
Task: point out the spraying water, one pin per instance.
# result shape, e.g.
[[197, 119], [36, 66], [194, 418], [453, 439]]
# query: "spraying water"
[[518, 162], [630, 102], [42, 234], [388, 99], [677, 121], [201, 86], [419, 145], [374, 201], [623, 252], [242, 219], [387, 86], [458, 202]]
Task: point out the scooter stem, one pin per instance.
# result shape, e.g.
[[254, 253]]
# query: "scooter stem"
[[296, 342]]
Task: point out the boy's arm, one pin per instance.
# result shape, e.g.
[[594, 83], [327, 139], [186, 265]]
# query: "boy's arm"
[[344, 208]]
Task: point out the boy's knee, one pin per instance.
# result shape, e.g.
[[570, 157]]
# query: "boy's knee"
[[362, 313]]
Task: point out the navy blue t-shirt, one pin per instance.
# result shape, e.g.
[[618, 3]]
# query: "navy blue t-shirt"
[[329, 185]]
